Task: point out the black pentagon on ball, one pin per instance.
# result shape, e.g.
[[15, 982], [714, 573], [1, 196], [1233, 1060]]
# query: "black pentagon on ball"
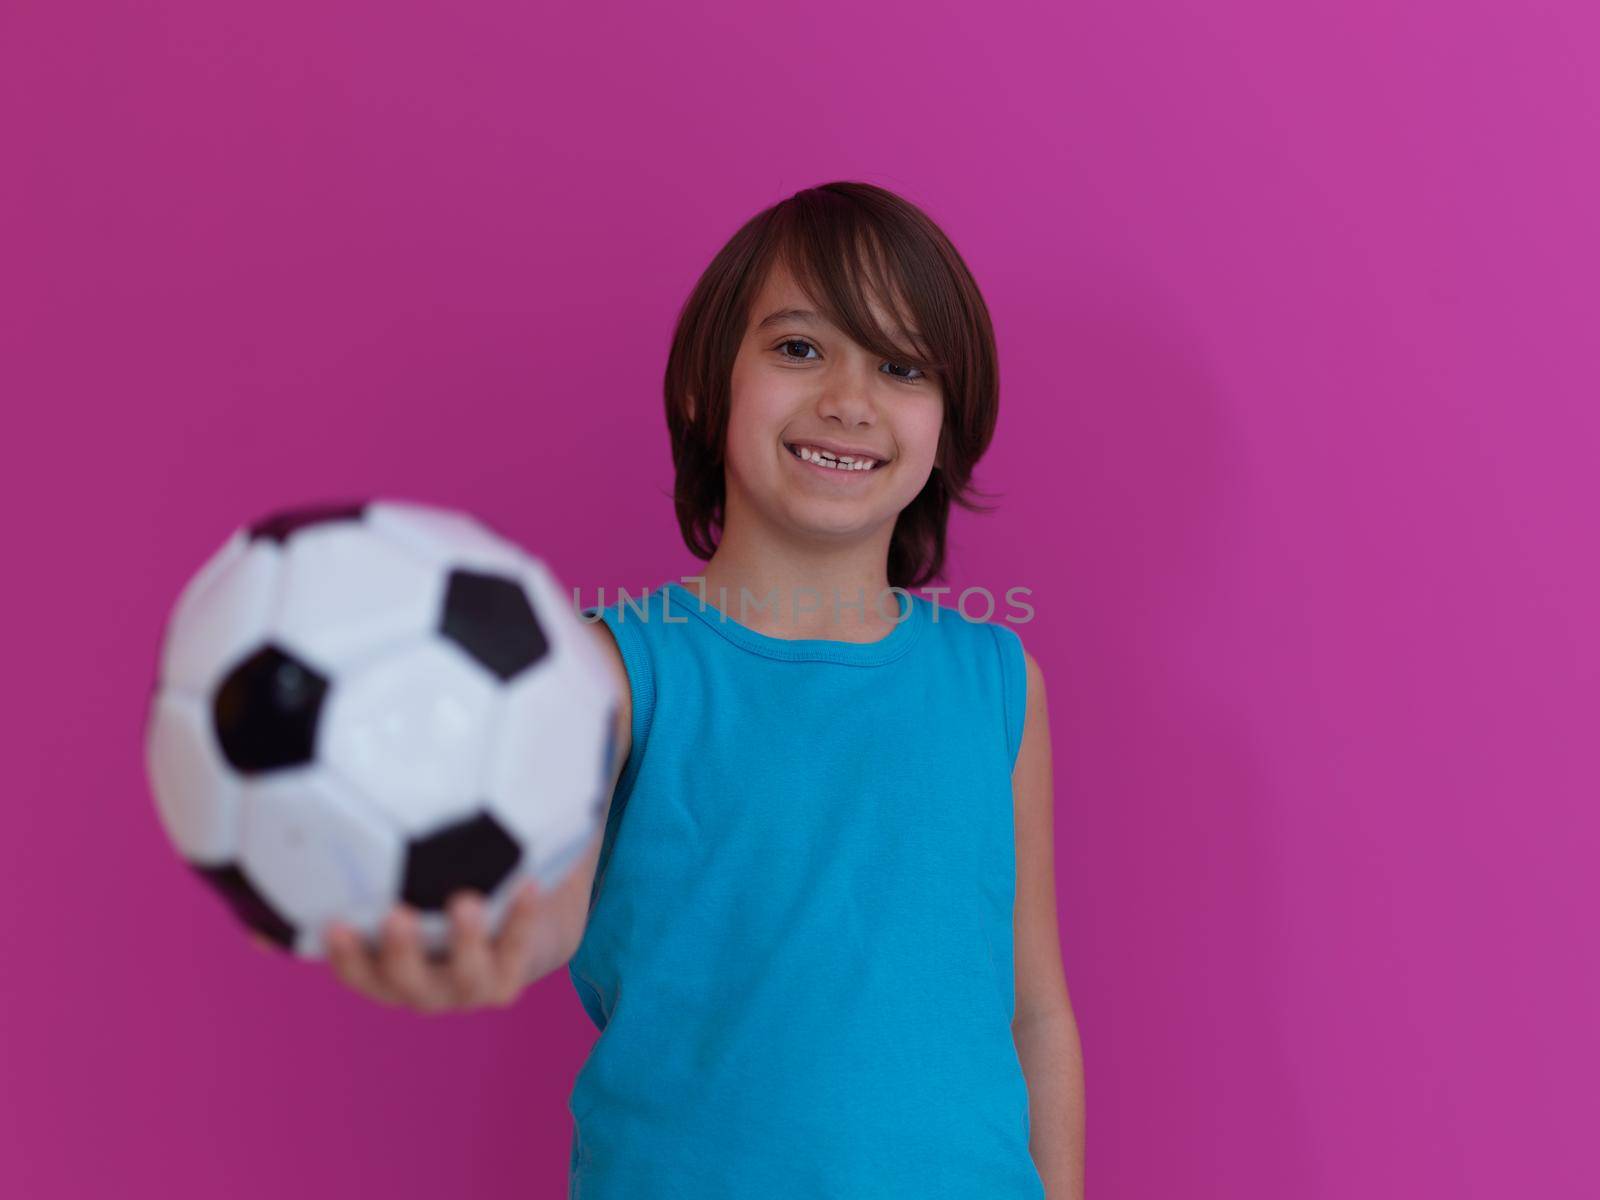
[[475, 854], [247, 903], [266, 709], [280, 525], [490, 618]]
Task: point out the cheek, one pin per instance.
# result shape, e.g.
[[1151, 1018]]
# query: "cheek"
[[756, 415], [928, 428], [750, 438], [744, 425]]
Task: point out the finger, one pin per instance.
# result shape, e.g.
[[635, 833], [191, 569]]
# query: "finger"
[[518, 944], [401, 964], [354, 965], [471, 967]]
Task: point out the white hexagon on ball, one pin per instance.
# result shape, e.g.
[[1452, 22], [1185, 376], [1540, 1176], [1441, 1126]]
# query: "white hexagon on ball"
[[316, 852], [444, 538], [572, 636], [411, 731], [220, 615], [197, 793], [548, 799], [347, 594]]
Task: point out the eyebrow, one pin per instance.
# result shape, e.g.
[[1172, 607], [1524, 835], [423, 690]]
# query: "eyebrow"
[[795, 314], [789, 314]]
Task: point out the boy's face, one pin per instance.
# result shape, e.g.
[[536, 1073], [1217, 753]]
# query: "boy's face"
[[797, 381]]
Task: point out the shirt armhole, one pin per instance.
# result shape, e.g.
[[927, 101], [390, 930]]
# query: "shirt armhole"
[[642, 690], [1013, 687]]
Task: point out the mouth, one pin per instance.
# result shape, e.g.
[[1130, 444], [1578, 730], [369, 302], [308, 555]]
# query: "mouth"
[[827, 460]]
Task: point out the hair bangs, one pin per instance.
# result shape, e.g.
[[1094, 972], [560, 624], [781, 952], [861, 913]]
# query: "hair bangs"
[[848, 269]]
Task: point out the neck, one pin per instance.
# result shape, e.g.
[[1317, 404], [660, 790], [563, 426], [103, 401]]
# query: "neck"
[[801, 585]]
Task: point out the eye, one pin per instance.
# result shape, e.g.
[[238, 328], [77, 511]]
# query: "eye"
[[784, 345]]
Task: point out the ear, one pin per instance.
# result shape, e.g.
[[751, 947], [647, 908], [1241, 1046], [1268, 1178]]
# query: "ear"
[[689, 407]]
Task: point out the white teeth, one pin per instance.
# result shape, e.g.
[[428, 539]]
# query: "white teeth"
[[836, 462]]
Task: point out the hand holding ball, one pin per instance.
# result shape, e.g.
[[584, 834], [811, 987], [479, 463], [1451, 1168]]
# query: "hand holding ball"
[[372, 704]]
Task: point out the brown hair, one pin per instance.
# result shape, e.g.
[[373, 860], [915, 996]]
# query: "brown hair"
[[833, 238]]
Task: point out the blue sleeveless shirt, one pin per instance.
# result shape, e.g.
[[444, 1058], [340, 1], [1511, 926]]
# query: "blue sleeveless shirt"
[[799, 944]]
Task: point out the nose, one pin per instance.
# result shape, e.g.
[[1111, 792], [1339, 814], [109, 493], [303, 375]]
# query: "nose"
[[847, 398]]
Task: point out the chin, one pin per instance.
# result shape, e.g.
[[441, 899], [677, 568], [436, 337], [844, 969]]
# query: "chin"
[[838, 521]]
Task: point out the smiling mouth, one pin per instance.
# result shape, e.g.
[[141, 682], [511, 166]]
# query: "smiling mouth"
[[831, 462]]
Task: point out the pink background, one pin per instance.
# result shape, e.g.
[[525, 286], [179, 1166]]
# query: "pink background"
[[1296, 306]]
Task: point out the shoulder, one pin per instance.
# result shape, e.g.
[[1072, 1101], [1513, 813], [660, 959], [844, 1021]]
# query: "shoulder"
[[1035, 715], [1021, 681], [1034, 675]]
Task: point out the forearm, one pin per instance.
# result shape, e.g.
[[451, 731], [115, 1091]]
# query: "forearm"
[[1052, 1062]]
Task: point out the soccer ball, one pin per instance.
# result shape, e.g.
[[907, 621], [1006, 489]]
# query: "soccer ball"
[[368, 703]]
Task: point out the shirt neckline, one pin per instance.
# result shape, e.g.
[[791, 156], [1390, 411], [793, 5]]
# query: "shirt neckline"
[[866, 654]]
